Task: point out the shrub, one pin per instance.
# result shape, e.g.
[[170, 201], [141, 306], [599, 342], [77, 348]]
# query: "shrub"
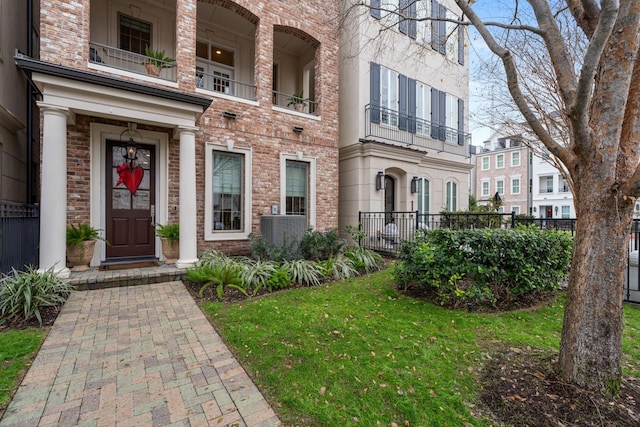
[[304, 272], [319, 245], [220, 276], [255, 274], [364, 259], [487, 264], [338, 267], [280, 279], [262, 249], [22, 294]]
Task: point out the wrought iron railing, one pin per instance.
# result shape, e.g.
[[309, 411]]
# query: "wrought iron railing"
[[293, 103], [391, 125], [130, 61], [222, 84], [19, 235]]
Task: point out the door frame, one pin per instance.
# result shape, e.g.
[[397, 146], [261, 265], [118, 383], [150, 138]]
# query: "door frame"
[[99, 134]]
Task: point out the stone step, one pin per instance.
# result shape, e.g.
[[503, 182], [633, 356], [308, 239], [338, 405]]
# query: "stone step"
[[95, 278]]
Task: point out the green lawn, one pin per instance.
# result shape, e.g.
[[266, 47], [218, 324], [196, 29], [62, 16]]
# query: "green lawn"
[[357, 352], [17, 349]]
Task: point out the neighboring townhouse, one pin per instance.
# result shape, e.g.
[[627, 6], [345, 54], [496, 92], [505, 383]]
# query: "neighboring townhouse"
[[551, 194], [503, 166], [404, 141], [18, 133], [234, 118]]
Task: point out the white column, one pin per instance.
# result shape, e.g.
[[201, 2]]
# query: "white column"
[[53, 192], [188, 205]]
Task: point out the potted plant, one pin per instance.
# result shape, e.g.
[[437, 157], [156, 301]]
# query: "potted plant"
[[156, 61], [170, 237], [297, 100], [81, 241]]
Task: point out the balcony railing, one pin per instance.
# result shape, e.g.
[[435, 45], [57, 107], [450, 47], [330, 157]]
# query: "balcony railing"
[[391, 125], [546, 190], [129, 61], [286, 100], [222, 84]]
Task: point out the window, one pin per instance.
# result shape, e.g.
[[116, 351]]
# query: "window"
[[297, 188], [451, 196], [500, 161], [423, 198], [423, 25], [546, 184], [423, 109], [515, 158], [134, 35], [486, 188], [564, 186], [452, 36], [566, 211], [388, 97], [515, 185], [485, 163], [500, 186], [515, 210], [451, 118], [227, 193]]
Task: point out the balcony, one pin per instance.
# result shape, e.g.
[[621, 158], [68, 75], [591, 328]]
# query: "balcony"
[[294, 103], [112, 57], [401, 128], [221, 83], [546, 190]]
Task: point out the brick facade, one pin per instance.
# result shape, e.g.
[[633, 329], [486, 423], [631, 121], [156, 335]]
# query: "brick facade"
[[267, 131]]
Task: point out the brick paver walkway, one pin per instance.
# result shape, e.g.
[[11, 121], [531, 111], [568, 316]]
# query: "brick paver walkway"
[[136, 356]]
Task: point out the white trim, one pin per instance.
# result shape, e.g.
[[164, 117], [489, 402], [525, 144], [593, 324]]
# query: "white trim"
[[299, 157], [209, 235], [295, 113], [99, 133], [131, 74]]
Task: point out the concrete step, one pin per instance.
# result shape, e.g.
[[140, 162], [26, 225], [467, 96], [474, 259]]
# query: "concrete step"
[[95, 278]]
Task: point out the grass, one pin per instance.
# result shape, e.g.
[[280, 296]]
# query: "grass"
[[17, 349], [357, 352]]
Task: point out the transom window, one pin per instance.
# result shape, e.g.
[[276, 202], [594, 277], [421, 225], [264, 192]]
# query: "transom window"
[[134, 34], [297, 188]]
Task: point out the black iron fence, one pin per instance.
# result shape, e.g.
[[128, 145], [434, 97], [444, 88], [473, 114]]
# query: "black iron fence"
[[19, 235]]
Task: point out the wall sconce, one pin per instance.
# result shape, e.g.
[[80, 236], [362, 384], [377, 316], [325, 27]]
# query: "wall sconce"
[[556, 209], [534, 209], [298, 129], [130, 148], [414, 184], [380, 181], [229, 115]]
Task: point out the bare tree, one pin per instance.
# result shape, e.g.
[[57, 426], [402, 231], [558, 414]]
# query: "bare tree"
[[593, 81], [598, 96]]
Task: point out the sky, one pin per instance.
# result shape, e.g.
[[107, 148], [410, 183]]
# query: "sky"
[[480, 94]]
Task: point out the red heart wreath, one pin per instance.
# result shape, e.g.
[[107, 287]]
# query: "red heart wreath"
[[130, 177]]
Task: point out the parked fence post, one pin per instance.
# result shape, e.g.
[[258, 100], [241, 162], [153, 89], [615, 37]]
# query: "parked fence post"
[[513, 219]]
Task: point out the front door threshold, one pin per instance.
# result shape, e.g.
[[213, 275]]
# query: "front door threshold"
[[126, 263]]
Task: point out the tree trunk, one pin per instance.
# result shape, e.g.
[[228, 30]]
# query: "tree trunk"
[[591, 344]]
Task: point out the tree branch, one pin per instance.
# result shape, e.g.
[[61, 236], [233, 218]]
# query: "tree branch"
[[586, 13], [568, 158]]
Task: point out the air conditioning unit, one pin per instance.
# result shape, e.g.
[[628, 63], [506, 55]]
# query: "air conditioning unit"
[[281, 229]]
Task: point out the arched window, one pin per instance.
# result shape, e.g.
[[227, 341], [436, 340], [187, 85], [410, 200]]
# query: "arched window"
[[451, 197]]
